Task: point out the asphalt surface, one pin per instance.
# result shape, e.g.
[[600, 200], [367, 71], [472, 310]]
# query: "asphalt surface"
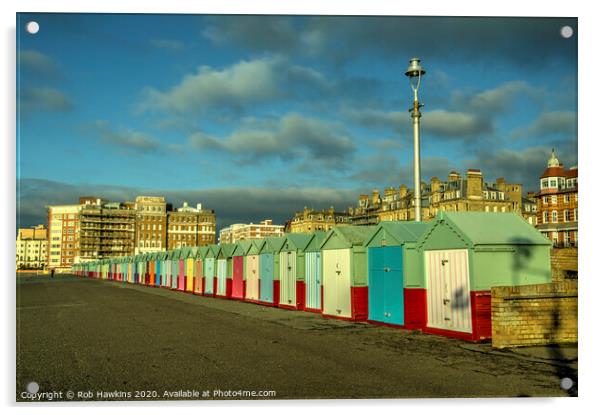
[[89, 337]]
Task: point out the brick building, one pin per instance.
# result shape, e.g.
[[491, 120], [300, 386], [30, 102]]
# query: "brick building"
[[31, 248], [317, 220], [63, 236], [188, 226], [471, 193], [151, 224], [557, 215], [96, 229]]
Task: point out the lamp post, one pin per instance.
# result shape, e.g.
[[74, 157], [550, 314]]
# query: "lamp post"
[[415, 73]]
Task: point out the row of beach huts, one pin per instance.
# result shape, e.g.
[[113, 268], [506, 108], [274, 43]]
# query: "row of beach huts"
[[431, 276]]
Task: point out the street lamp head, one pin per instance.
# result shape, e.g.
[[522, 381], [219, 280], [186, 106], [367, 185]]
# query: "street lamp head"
[[415, 70]]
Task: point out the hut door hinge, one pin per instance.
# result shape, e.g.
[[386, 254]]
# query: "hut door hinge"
[[444, 261]]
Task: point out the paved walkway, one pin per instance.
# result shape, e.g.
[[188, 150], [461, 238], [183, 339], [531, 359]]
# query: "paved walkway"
[[87, 335]]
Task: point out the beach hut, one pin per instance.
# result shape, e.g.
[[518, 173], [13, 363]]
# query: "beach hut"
[[344, 272], [182, 255], [199, 284], [131, 269], [209, 271], [395, 285], [190, 269], [165, 268], [269, 269], [467, 253], [157, 269], [238, 269], [144, 269], [150, 261], [224, 271], [292, 271], [252, 272], [137, 269], [174, 259], [313, 273]]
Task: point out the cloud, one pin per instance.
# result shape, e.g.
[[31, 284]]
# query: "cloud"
[[385, 169], [268, 33], [244, 83], [167, 44], [38, 65], [250, 83], [495, 100], [449, 124], [33, 99], [527, 42], [294, 136], [439, 123], [124, 138], [525, 165], [233, 205], [550, 123]]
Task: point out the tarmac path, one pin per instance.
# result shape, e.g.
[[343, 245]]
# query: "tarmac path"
[[83, 335]]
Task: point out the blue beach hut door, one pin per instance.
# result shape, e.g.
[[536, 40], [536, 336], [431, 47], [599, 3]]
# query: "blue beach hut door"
[[385, 285]]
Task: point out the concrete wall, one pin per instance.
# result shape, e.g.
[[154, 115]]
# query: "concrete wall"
[[537, 314], [564, 263]]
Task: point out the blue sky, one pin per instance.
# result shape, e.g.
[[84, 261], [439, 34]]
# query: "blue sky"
[[258, 116]]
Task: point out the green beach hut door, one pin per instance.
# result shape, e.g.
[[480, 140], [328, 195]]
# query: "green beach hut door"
[[448, 290]]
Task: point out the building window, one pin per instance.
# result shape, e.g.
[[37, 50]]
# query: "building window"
[[567, 238], [555, 237], [552, 182], [544, 184], [566, 198], [495, 208], [545, 200], [503, 208], [545, 217], [567, 215], [554, 216], [554, 199], [575, 214]]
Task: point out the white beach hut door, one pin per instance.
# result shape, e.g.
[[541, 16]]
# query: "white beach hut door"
[[343, 271], [448, 290], [221, 276], [287, 278]]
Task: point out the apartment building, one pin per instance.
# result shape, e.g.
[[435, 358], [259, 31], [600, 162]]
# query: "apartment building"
[[242, 231], [63, 236], [107, 229], [188, 226], [151, 224], [557, 205], [310, 220], [31, 248], [470, 193]]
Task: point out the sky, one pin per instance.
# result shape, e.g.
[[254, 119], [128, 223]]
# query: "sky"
[[258, 116]]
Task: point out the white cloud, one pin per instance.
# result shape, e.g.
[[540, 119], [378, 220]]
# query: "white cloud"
[[294, 135], [244, 83]]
